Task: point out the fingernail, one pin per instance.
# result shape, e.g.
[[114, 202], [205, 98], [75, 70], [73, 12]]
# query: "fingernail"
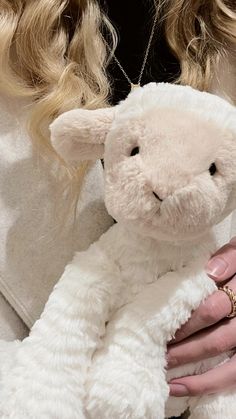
[[178, 390], [216, 266]]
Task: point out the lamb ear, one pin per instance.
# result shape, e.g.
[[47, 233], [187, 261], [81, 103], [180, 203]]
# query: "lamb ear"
[[80, 134]]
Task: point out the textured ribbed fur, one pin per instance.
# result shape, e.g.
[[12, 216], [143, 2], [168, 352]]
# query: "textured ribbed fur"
[[98, 350]]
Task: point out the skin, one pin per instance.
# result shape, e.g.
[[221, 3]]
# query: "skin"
[[208, 333]]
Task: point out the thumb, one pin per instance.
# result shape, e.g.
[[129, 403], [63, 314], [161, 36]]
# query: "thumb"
[[222, 265]]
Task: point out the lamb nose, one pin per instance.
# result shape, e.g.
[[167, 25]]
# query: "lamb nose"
[[154, 193]]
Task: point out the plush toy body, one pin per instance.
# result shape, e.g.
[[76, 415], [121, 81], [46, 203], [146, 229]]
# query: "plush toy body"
[[98, 350]]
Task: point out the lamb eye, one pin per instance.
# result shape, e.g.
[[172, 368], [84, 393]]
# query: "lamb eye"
[[212, 169], [134, 151]]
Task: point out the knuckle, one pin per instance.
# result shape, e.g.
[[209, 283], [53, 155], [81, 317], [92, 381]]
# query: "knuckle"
[[172, 361], [201, 386], [209, 312], [181, 333], [195, 389], [217, 346]]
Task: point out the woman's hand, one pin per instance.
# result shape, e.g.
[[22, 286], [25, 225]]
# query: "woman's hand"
[[208, 333]]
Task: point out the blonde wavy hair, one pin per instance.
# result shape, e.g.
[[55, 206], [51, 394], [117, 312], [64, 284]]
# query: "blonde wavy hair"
[[53, 53], [200, 34]]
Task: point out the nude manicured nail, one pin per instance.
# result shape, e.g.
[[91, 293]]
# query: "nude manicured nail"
[[178, 390], [216, 266]]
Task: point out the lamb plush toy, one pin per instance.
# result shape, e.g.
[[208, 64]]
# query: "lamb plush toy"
[[98, 350]]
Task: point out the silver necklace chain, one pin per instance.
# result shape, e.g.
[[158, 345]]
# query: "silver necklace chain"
[[134, 85]]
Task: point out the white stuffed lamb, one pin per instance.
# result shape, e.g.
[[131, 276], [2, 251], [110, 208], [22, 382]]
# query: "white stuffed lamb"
[[98, 351]]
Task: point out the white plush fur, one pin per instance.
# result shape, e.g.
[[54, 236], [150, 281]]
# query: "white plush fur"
[[98, 350]]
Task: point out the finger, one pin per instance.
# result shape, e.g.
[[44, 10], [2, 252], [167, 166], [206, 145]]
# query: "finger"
[[222, 265], [205, 344], [212, 310], [213, 381]]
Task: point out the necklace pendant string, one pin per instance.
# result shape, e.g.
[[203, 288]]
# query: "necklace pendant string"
[[133, 86], [147, 49]]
